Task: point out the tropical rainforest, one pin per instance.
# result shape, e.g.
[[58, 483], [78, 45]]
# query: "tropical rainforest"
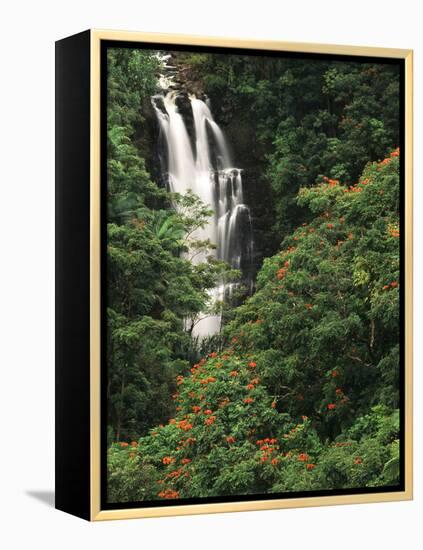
[[299, 390]]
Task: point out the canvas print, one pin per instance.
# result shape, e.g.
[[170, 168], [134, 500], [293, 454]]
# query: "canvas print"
[[252, 275]]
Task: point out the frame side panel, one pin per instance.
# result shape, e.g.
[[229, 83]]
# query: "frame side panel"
[[72, 275]]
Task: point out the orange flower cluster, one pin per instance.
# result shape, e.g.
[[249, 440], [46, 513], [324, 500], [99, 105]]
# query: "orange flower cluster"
[[358, 460], [208, 380], [210, 420], [168, 460], [248, 400], [384, 162], [175, 474], [252, 364], [266, 440], [168, 493], [331, 406], [396, 152], [213, 354], [280, 274], [230, 439], [179, 380], [196, 409], [233, 373], [310, 466], [303, 457], [331, 182], [267, 446], [123, 444], [184, 425], [353, 189], [185, 461], [394, 284]]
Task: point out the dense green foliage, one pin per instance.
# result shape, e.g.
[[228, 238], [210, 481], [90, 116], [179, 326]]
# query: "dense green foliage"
[[306, 395], [301, 390]]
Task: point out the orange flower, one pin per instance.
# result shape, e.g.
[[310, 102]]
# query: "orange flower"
[[252, 364], [185, 461], [196, 409], [309, 306], [230, 439], [358, 460], [210, 420], [334, 373], [168, 493], [233, 373], [184, 425], [211, 379], [274, 462], [134, 444], [273, 405], [208, 411], [234, 340], [248, 400], [250, 386], [338, 391], [394, 284], [213, 354], [168, 460], [124, 444], [281, 274], [331, 406], [330, 226], [310, 466], [303, 457]]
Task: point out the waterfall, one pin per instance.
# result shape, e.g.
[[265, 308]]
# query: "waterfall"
[[209, 173]]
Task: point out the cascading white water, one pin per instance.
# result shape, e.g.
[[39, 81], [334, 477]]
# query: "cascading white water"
[[210, 175]]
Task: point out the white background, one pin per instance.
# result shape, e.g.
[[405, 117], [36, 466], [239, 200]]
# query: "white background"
[[28, 32]]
